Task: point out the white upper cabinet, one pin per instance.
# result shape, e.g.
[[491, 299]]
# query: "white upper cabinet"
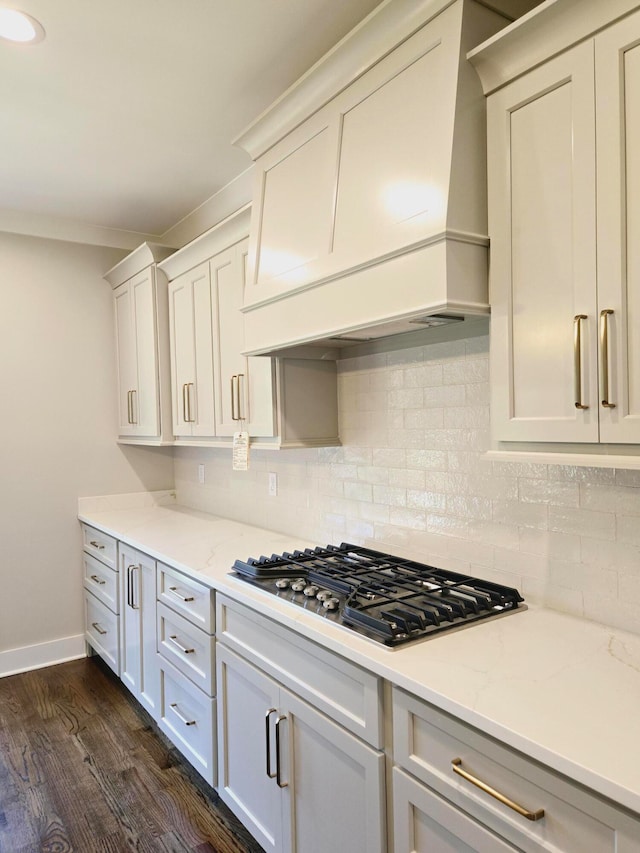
[[142, 345], [564, 209], [369, 195], [216, 389]]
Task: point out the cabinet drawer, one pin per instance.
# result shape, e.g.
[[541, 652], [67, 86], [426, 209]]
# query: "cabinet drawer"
[[100, 545], [101, 581], [188, 648], [343, 691], [187, 717], [101, 631], [188, 597], [426, 742]]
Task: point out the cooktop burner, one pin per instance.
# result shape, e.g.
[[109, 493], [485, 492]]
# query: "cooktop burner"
[[385, 598]]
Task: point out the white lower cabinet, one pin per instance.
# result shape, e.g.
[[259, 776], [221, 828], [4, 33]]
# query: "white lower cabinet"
[[300, 738], [101, 599], [297, 780], [138, 670], [468, 792], [101, 631]]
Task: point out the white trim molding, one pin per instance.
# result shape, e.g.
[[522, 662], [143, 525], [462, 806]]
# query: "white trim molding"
[[14, 661]]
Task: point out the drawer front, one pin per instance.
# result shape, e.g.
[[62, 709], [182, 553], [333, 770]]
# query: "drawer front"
[[187, 717], [427, 742], [100, 545], [101, 581], [101, 631], [188, 648], [343, 691], [191, 599]]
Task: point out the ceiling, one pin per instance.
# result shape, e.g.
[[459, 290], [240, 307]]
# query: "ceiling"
[[122, 117]]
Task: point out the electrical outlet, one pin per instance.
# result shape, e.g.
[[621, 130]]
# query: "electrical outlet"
[[201, 473], [273, 485]]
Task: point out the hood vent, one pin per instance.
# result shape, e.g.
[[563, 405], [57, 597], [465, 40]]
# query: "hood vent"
[[369, 213]]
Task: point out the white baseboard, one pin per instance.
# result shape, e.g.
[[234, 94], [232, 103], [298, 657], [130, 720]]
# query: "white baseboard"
[[14, 661]]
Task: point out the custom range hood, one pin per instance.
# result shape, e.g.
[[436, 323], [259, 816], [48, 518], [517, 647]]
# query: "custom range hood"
[[369, 203]]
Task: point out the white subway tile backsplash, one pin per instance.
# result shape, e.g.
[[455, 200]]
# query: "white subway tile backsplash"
[[411, 477]]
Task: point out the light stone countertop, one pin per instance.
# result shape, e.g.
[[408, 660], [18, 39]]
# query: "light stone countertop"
[[562, 690]]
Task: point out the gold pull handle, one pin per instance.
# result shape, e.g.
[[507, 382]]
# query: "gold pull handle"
[[185, 651], [174, 590], [190, 418], [234, 417], [96, 625], [279, 781], [268, 741], [184, 404], [98, 580], [128, 407], [604, 357], [456, 765], [181, 717], [134, 400], [577, 360], [241, 414], [96, 545]]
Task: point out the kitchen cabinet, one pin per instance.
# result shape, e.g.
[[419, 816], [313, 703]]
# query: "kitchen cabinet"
[[186, 662], [440, 778], [101, 595], [297, 778], [216, 389], [141, 346], [369, 209], [139, 668], [563, 206]]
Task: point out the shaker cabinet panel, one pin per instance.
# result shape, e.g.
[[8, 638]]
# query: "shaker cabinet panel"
[[542, 225], [618, 143]]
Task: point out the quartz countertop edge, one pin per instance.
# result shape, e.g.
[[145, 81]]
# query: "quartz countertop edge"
[[562, 690]]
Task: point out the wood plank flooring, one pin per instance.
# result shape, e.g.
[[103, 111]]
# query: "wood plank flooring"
[[83, 769]]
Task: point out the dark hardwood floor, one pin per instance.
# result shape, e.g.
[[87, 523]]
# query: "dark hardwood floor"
[[84, 769]]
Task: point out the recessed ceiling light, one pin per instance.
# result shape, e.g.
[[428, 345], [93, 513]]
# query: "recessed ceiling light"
[[19, 27]]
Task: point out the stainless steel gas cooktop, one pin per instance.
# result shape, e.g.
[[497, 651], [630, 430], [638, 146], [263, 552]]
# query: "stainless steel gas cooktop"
[[386, 598]]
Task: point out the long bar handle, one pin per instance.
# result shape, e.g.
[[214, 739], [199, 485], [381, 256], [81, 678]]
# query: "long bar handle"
[[174, 590], [96, 625], [279, 781], [134, 419], [234, 416], [190, 418], [134, 606], [128, 407], [98, 580], [456, 766], [184, 404], [604, 357], [267, 720], [185, 651], [241, 415], [577, 360], [181, 717]]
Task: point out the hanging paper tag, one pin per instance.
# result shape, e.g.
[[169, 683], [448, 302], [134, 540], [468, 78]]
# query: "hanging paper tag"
[[241, 451]]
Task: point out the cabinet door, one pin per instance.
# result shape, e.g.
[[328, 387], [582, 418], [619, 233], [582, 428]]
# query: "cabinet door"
[[130, 619], [426, 823], [126, 357], [541, 143], [191, 341], [246, 748], [138, 626], [618, 123], [334, 784], [144, 401], [230, 364]]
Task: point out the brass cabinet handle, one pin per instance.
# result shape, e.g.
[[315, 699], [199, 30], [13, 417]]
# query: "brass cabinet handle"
[[190, 418], [234, 417], [279, 781], [134, 419], [174, 639], [604, 356], [456, 766], [181, 717], [96, 625], [241, 414], [268, 741], [97, 545], [98, 580], [174, 590], [577, 360], [184, 404]]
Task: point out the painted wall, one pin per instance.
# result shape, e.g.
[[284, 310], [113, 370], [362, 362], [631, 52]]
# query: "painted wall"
[[411, 478], [58, 385]]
